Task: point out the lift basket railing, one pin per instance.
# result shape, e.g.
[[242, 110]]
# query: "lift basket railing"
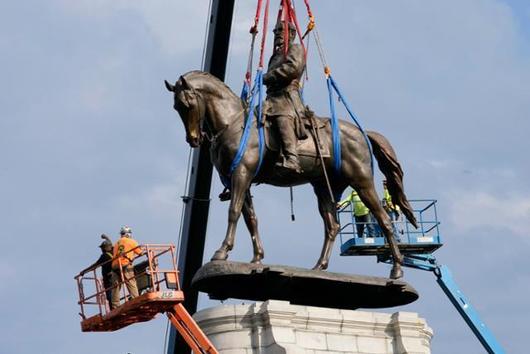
[[155, 270]]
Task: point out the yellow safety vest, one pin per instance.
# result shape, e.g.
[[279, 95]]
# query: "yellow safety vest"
[[388, 200], [359, 209]]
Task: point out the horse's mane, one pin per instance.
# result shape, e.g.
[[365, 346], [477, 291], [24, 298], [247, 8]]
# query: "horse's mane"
[[201, 80]]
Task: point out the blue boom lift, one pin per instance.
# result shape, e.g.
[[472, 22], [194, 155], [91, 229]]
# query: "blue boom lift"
[[417, 246]]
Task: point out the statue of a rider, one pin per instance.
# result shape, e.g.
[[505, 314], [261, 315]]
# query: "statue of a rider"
[[284, 104]]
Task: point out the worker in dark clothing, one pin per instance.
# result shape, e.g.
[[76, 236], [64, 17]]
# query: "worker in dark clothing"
[[106, 266], [284, 103]]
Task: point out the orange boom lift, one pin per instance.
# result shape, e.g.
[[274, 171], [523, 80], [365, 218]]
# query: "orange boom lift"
[[159, 291]]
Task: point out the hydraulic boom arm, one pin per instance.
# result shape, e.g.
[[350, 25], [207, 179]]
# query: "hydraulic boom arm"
[[190, 331], [458, 299]]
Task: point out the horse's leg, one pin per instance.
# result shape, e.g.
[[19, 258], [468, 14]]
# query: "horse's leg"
[[240, 184], [252, 225], [370, 199], [326, 207]]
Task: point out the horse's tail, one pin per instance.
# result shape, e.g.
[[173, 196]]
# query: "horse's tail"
[[389, 165]]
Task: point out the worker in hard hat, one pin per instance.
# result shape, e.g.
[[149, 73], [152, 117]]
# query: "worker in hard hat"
[[125, 251], [106, 268], [361, 214]]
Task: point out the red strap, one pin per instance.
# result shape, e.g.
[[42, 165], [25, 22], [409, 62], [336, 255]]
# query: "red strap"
[[264, 35], [309, 13], [292, 17], [254, 29]]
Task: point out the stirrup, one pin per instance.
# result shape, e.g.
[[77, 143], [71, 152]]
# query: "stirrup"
[[294, 167]]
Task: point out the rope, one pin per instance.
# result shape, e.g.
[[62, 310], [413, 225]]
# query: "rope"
[[320, 50], [306, 74], [248, 75], [318, 144], [205, 39], [260, 123], [184, 201]]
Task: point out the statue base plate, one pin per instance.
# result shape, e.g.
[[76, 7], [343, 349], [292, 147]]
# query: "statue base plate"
[[258, 282]]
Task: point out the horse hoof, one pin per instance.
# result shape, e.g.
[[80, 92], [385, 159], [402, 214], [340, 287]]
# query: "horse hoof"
[[396, 273], [255, 261], [220, 255], [320, 266]]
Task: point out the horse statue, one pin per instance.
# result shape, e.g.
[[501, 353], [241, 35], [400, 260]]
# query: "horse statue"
[[210, 109]]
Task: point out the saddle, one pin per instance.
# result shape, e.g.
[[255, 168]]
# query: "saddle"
[[305, 146]]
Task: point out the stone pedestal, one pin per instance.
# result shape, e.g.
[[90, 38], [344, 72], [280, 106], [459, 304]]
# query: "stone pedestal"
[[276, 327]]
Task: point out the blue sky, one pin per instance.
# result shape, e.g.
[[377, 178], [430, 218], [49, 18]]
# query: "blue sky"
[[90, 142]]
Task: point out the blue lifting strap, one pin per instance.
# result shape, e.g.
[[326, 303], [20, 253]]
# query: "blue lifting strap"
[[258, 86], [335, 131], [245, 91]]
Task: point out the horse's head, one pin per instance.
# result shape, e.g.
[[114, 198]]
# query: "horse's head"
[[190, 106]]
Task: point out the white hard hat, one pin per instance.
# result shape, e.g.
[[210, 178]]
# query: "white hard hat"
[[125, 230]]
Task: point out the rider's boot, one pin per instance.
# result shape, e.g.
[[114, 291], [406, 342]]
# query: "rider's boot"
[[290, 162], [288, 137]]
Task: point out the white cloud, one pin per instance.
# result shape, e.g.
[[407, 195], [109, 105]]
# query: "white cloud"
[[473, 210]]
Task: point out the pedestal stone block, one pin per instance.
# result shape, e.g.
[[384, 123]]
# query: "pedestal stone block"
[[276, 327]]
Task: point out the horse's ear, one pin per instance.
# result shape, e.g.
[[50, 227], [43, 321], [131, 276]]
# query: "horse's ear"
[[169, 86], [184, 83]]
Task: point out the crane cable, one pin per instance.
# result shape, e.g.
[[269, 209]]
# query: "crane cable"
[[248, 74], [185, 197]]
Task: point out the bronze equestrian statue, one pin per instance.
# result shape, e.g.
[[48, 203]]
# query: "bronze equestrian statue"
[[209, 108]]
